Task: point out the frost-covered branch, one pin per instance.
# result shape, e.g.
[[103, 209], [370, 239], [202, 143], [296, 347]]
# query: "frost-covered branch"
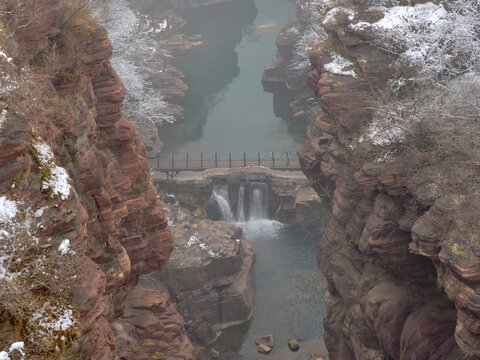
[[306, 33], [136, 51]]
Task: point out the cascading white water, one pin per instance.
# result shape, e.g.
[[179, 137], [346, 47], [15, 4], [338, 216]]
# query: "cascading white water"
[[240, 204], [220, 196], [258, 224], [258, 206]]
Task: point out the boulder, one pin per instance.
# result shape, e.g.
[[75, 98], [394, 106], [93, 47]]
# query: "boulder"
[[266, 340], [209, 273], [293, 345], [264, 349]]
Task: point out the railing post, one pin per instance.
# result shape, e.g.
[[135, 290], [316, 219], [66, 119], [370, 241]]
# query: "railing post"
[[258, 154], [187, 160], [201, 160], [287, 159], [244, 160], [230, 159], [158, 160], [273, 160], [216, 159], [173, 160]]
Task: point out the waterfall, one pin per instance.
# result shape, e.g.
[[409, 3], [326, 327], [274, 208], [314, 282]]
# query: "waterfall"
[[220, 196], [252, 197], [258, 206], [170, 193], [240, 204]]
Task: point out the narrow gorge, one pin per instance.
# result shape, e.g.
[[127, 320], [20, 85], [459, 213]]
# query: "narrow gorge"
[[239, 179]]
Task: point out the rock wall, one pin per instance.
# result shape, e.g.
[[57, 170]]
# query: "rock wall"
[[209, 274], [397, 289], [112, 216], [291, 65]]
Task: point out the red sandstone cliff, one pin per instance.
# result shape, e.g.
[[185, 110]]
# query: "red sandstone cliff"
[[112, 216], [399, 287]]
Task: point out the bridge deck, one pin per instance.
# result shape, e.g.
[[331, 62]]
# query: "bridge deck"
[[201, 162]]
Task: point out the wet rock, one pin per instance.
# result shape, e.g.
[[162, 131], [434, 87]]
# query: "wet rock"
[[293, 345], [264, 349], [266, 340]]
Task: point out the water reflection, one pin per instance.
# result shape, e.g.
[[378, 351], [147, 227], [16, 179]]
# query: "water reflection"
[[227, 108], [209, 68]]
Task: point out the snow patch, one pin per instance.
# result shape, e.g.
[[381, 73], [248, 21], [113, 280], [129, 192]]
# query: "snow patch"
[[437, 42], [5, 56], [53, 320], [64, 247], [8, 209], [379, 135], [39, 212], [338, 65], [194, 240], [331, 15], [16, 346], [45, 154], [162, 26], [58, 180], [3, 117]]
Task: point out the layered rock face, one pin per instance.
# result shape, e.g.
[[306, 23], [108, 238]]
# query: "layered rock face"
[[396, 288], [208, 275], [112, 216]]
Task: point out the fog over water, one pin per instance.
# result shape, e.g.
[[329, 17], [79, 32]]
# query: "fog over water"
[[227, 108]]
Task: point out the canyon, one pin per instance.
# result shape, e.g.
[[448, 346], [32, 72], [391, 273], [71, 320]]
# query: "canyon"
[[99, 261], [106, 218]]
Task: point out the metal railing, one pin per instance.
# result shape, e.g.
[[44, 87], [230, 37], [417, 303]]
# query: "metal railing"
[[203, 161]]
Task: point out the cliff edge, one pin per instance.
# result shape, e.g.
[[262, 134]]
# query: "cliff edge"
[[79, 216], [398, 140]]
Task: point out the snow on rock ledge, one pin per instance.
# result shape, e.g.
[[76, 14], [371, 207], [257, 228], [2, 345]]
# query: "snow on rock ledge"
[[56, 178]]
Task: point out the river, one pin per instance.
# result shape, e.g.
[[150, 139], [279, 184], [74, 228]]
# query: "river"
[[227, 109]]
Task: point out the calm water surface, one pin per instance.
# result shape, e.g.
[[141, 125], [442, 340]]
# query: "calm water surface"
[[289, 289], [227, 108]]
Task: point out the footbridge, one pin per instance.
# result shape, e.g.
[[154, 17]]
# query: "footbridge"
[[199, 161]]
